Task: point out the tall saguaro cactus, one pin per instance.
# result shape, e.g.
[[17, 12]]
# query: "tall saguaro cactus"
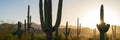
[[78, 28], [46, 17], [94, 33], [29, 27], [67, 31], [114, 32], [25, 25], [19, 30], [102, 27], [28, 18]]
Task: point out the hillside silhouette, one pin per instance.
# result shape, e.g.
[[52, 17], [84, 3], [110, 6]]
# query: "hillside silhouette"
[[86, 33]]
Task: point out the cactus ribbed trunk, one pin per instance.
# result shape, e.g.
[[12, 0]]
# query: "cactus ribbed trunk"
[[66, 37], [19, 30], [56, 34], [49, 35], [102, 37]]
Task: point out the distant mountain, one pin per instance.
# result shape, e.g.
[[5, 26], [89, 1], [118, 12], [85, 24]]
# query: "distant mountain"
[[87, 32], [36, 26]]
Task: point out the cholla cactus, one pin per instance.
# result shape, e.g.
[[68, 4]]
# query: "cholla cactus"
[[67, 31], [102, 27], [46, 17]]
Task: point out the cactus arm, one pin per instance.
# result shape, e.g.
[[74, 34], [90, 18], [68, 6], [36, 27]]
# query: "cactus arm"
[[59, 14], [107, 27], [41, 15], [49, 13], [46, 12]]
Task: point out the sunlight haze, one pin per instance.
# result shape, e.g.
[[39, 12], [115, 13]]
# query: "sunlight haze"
[[88, 11]]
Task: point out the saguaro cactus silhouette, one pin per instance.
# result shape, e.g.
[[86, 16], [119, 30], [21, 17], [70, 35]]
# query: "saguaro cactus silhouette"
[[78, 28], [94, 34], [113, 32], [67, 31], [46, 17], [28, 18], [25, 25], [19, 30], [102, 27], [29, 23]]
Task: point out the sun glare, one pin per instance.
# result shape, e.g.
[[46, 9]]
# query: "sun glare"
[[93, 17]]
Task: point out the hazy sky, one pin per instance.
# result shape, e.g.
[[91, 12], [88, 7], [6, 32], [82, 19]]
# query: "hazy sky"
[[87, 10]]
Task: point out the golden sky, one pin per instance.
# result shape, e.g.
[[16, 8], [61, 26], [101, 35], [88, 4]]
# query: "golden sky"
[[87, 11]]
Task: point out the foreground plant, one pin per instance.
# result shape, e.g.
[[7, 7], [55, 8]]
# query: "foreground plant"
[[46, 17], [102, 27]]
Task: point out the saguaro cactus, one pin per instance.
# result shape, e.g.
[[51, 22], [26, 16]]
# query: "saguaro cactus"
[[29, 23], [19, 30], [78, 29], [67, 31], [113, 32], [46, 18], [28, 18], [94, 34], [102, 27], [25, 25]]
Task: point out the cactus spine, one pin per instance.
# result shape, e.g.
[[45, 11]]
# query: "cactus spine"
[[102, 27], [113, 32], [67, 31], [46, 17], [78, 29]]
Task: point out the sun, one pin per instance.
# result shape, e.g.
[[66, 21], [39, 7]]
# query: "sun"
[[92, 17]]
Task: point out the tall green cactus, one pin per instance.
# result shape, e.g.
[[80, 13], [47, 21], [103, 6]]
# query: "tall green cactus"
[[28, 18], [94, 34], [67, 31], [102, 27], [114, 32], [19, 30], [78, 29], [46, 17], [25, 25], [29, 23]]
